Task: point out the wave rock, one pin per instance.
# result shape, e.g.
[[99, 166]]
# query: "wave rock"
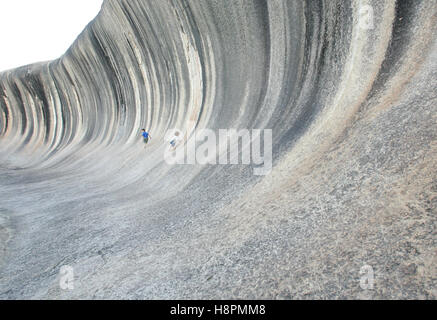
[[348, 89]]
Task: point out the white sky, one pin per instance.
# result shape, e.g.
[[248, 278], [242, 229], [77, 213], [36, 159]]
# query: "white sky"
[[40, 30]]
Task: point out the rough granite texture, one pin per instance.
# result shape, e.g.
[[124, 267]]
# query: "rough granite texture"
[[354, 183]]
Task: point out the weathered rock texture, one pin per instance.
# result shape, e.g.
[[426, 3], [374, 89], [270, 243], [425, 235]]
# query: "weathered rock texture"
[[354, 183]]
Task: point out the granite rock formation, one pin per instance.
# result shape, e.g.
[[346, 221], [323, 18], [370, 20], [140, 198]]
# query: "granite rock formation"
[[348, 89]]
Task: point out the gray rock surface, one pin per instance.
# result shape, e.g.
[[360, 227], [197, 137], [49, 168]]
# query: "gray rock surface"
[[353, 114]]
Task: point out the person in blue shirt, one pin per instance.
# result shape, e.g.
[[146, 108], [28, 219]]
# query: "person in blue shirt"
[[146, 136]]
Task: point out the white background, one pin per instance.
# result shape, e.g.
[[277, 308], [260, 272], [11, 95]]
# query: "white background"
[[40, 30]]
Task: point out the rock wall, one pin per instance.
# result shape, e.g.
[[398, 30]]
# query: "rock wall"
[[349, 96]]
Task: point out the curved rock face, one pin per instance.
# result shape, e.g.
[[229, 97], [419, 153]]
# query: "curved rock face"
[[348, 210]]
